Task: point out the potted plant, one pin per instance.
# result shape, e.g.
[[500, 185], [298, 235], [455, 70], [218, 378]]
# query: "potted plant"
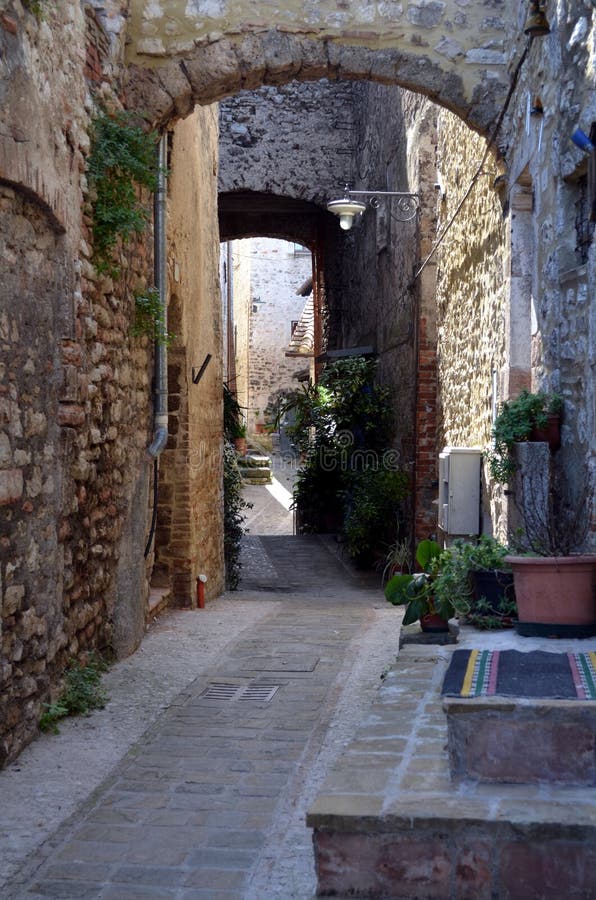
[[233, 424], [426, 593], [530, 417], [555, 582], [489, 583], [398, 559]]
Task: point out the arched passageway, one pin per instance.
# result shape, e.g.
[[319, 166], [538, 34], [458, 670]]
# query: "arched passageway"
[[60, 68]]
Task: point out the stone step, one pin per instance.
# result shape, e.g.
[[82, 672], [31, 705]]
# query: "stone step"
[[254, 461], [521, 741], [255, 476], [391, 823], [158, 600]]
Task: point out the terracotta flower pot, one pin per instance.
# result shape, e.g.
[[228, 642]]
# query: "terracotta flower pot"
[[434, 623], [240, 446], [551, 433], [555, 596]]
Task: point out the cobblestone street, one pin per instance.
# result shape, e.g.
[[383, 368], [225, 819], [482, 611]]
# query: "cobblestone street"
[[211, 801]]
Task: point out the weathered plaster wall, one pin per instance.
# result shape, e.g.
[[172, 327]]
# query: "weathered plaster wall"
[[447, 50], [276, 273], [190, 509], [235, 293]]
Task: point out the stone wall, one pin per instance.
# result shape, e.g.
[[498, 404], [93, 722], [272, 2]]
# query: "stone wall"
[[472, 290], [294, 141], [76, 410], [559, 305], [372, 300], [515, 269]]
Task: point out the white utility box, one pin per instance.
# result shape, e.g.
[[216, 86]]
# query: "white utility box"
[[459, 491]]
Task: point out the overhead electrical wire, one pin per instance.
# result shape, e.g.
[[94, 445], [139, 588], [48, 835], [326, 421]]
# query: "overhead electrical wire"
[[480, 170]]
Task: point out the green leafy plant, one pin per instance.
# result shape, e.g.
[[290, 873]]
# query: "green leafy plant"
[[486, 555], [234, 425], [397, 559], [150, 318], [370, 503], [348, 481], [514, 423], [481, 566], [234, 505], [82, 693], [37, 7], [432, 590], [485, 617], [122, 156]]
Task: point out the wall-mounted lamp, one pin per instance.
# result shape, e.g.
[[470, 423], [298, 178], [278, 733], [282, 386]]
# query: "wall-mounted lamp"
[[348, 208], [581, 140], [536, 23]]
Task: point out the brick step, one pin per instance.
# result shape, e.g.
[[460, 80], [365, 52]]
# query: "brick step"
[[391, 823]]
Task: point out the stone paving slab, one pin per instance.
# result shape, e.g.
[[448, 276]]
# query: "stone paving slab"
[[210, 802]]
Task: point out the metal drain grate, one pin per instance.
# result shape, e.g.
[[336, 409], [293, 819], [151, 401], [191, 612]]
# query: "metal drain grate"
[[226, 692], [260, 692]]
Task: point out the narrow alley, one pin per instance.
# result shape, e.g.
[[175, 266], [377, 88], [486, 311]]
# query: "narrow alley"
[[210, 800]]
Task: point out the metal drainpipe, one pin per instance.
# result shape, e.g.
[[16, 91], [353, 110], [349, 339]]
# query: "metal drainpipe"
[[160, 403], [160, 370]]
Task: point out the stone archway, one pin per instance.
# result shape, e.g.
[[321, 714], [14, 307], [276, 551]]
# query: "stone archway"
[[178, 59], [182, 54]]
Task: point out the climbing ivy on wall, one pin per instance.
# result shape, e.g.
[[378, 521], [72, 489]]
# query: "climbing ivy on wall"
[[122, 156], [36, 6], [150, 318]]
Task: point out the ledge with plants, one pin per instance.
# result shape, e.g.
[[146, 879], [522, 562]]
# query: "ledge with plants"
[[530, 417], [487, 582], [445, 586]]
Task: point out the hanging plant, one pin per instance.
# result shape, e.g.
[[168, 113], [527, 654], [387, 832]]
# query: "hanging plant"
[[150, 318], [122, 156]]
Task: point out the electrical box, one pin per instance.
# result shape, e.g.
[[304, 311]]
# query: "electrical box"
[[459, 491]]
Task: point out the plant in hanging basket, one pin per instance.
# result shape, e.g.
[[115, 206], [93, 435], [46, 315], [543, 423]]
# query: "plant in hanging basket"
[[529, 417]]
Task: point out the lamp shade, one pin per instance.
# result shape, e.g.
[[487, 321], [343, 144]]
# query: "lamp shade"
[[346, 209], [536, 23]]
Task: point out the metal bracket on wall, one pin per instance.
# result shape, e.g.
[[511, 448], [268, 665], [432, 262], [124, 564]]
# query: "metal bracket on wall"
[[197, 374]]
